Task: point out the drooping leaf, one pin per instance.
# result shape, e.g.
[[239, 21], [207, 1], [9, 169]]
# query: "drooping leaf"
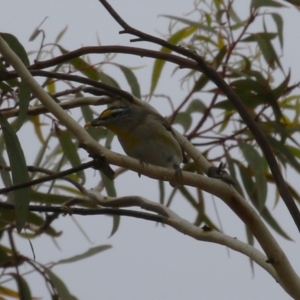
[[82, 66], [61, 34], [249, 184], [279, 24], [257, 164], [230, 161], [60, 287], [188, 196], [203, 79], [250, 239], [87, 254], [69, 149], [116, 225], [282, 151], [24, 98], [105, 78], [19, 172], [49, 199], [159, 64], [36, 31], [23, 287], [267, 3], [161, 187], [17, 47], [196, 25], [266, 215], [37, 125], [263, 40], [109, 185], [132, 81]]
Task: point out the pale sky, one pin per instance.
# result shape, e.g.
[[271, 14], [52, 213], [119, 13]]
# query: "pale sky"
[[147, 261]]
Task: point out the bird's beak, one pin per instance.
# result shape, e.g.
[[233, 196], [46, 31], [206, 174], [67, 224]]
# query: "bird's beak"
[[95, 123]]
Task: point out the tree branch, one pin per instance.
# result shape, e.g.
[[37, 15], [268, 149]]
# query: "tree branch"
[[246, 213], [215, 77], [76, 102], [168, 217]]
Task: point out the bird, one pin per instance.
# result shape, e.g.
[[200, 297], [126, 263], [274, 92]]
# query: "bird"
[[144, 135]]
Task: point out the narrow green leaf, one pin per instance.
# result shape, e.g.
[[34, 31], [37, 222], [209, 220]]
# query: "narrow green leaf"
[[266, 215], [82, 66], [23, 287], [111, 192], [250, 239], [196, 25], [279, 24], [88, 253], [161, 188], [263, 40], [132, 81], [60, 287], [209, 222], [41, 153], [17, 47], [19, 172], [116, 225], [109, 185], [268, 3], [232, 172], [159, 64], [257, 164], [200, 83], [293, 150], [108, 79], [188, 196], [24, 99], [5, 175], [282, 151], [252, 192], [249, 185], [217, 61], [69, 149], [37, 31], [61, 34], [49, 199]]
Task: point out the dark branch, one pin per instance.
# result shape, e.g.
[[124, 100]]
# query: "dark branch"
[[48, 178], [214, 76], [92, 212]]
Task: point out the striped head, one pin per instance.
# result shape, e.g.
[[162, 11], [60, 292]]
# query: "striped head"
[[113, 116]]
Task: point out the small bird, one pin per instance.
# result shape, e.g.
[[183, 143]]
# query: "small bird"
[[144, 135]]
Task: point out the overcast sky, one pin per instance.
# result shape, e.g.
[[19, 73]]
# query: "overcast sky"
[[147, 261]]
